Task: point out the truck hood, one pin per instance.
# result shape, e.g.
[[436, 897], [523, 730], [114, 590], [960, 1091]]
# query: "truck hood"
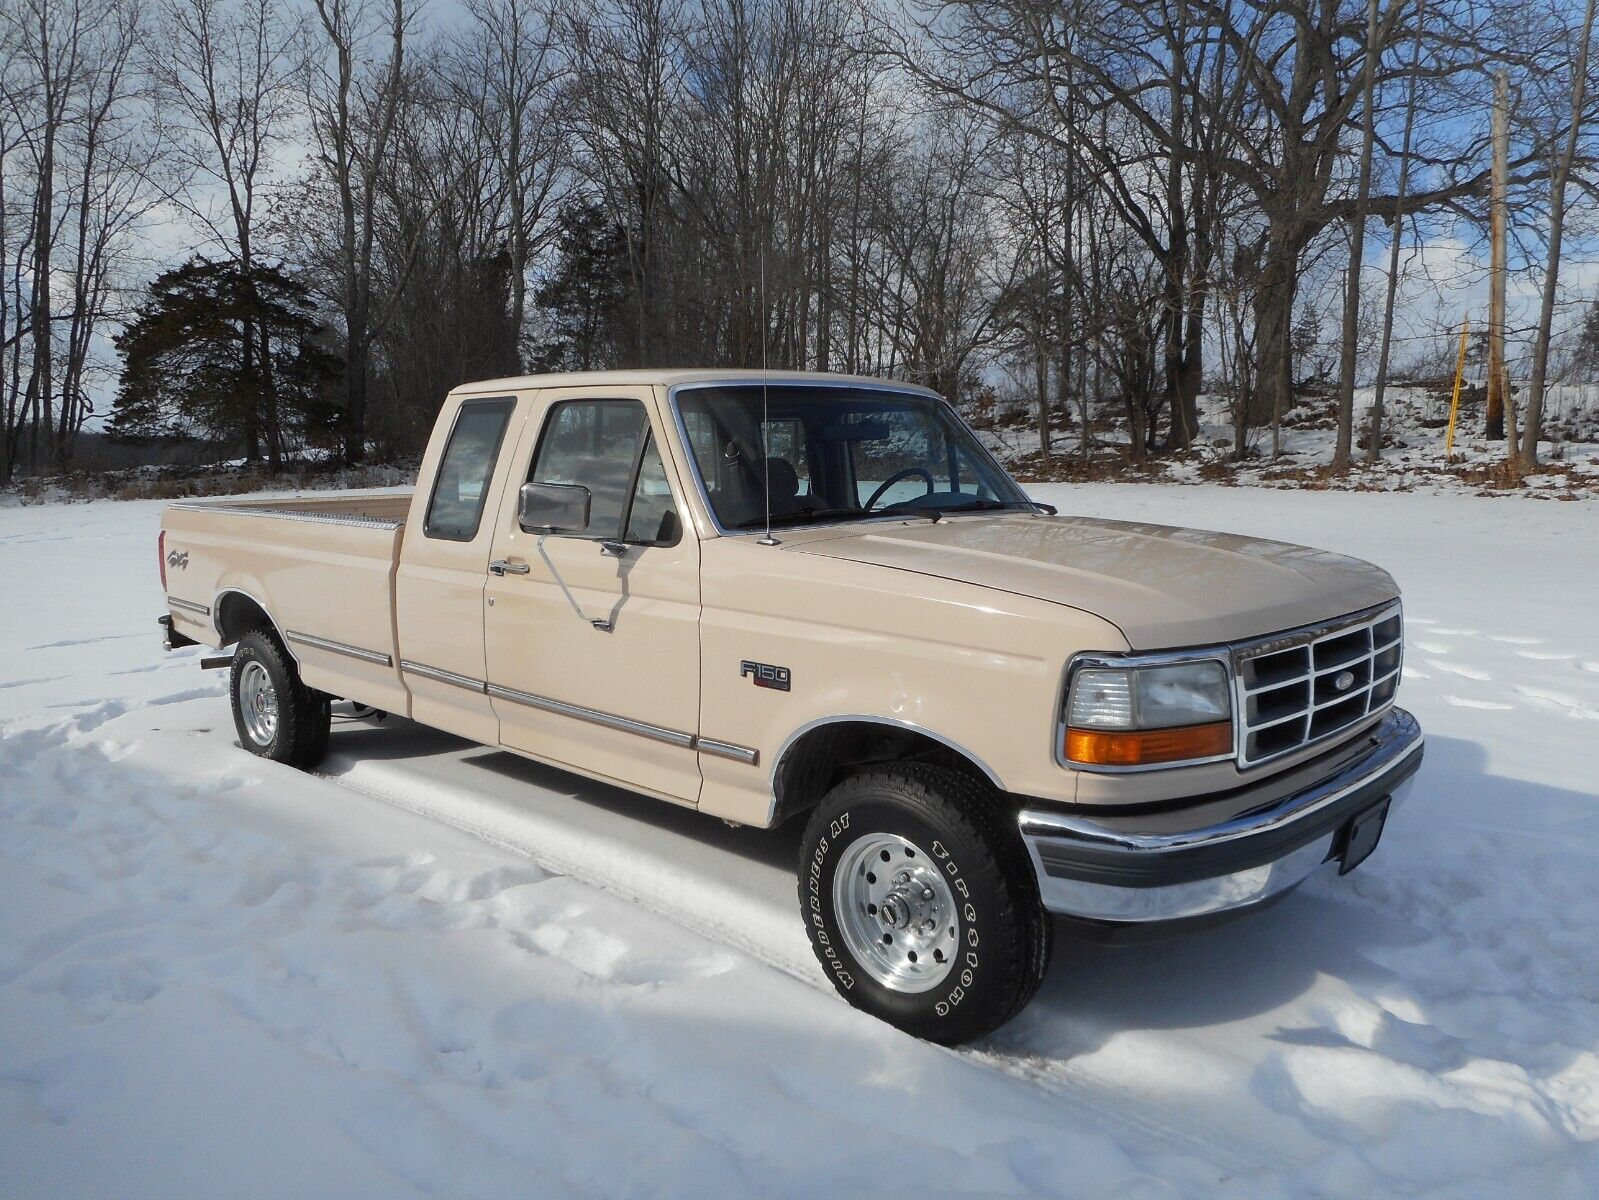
[[1162, 586]]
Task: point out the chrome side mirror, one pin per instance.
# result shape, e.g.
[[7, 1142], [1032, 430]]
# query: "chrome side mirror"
[[553, 508]]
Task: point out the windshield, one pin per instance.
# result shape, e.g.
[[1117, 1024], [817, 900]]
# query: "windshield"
[[836, 454]]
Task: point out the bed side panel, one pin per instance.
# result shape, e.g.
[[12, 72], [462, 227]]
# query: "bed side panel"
[[326, 580]]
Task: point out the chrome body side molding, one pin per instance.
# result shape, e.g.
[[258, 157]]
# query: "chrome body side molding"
[[344, 648], [201, 610], [439, 675], [656, 733], [741, 754]]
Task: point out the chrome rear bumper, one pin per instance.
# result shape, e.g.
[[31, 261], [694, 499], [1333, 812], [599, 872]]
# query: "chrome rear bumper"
[[1091, 870]]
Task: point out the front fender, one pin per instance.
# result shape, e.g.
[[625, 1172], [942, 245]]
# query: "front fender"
[[976, 669]]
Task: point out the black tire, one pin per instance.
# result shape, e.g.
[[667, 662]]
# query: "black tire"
[[317, 730], [299, 735], [1002, 934]]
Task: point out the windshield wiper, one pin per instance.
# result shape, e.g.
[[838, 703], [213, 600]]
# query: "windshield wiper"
[[801, 515], [901, 508], [907, 508], [981, 504], [910, 508]]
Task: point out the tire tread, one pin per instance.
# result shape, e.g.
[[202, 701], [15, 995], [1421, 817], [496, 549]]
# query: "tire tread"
[[304, 714], [964, 800]]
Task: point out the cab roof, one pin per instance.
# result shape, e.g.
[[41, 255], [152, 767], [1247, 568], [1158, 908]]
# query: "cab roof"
[[672, 377]]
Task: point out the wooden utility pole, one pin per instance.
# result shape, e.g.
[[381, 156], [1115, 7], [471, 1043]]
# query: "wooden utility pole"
[[1454, 399], [1497, 392]]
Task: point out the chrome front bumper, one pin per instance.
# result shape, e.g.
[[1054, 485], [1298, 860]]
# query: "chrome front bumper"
[[1091, 870]]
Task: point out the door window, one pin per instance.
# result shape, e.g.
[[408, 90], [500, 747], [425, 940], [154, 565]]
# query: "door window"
[[605, 446], [461, 489]]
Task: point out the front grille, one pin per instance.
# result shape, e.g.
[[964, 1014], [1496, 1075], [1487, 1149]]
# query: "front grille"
[[1289, 692]]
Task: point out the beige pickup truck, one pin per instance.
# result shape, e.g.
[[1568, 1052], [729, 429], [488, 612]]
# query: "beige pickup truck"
[[818, 598]]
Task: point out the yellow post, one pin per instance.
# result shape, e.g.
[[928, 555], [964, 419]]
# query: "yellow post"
[[1454, 401]]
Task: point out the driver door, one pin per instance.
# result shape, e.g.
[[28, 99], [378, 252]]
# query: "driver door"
[[593, 639]]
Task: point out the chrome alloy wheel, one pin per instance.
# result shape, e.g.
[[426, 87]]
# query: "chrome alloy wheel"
[[258, 702], [896, 912]]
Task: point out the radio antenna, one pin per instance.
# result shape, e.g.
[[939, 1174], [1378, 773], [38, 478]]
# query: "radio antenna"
[[766, 455]]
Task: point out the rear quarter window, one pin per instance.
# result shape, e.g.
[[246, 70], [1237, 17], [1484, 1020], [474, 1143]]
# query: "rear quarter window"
[[466, 468]]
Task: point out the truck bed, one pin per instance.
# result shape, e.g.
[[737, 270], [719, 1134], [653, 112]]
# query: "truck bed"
[[321, 568]]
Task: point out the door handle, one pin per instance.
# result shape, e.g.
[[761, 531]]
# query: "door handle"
[[501, 566], [613, 547]]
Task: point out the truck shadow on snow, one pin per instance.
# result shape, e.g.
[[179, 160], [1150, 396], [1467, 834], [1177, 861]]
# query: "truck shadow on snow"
[[504, 775], [1353, 929]]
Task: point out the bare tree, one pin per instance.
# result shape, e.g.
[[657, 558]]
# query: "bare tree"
[[507, 72], [1559, 176], [18, 223], [231, 69], [1357, 243], [52, 47], [357, 91], [937, 281], [1401, 187], [627, 56], [72, 127]]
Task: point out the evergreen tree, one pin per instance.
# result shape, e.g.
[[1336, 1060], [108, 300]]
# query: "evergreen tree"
[[584, 297], [219, 352]]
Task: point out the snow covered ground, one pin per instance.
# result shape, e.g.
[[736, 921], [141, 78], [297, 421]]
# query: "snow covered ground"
[[435, 969]]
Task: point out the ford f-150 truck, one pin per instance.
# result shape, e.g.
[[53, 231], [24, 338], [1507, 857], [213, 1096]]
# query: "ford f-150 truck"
[[819, 598]]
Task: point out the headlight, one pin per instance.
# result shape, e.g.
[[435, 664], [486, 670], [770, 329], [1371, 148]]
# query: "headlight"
[[1147, 715]]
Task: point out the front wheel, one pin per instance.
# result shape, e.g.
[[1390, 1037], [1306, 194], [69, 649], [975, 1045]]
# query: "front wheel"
[[921, 903]]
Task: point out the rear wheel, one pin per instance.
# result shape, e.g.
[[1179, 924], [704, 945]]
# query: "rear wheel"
[[921, 903], [275, 714]]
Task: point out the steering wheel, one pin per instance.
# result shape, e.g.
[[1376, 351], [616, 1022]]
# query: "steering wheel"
[[895, 478]]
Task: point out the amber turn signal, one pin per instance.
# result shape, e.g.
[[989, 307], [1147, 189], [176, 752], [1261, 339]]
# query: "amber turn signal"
[[1097, 747]]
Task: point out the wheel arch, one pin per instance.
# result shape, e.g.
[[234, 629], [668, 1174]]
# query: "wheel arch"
[[816, 755], [235, 612]]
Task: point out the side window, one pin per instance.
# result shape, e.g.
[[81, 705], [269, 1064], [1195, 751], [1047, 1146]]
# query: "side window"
[[466, 469], [605, 446], [651, 518]]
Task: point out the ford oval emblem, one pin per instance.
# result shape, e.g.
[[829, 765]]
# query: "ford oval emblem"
[[1344, 680]]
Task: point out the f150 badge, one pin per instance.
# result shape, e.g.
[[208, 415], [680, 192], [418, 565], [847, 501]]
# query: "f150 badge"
[[766, 675]]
